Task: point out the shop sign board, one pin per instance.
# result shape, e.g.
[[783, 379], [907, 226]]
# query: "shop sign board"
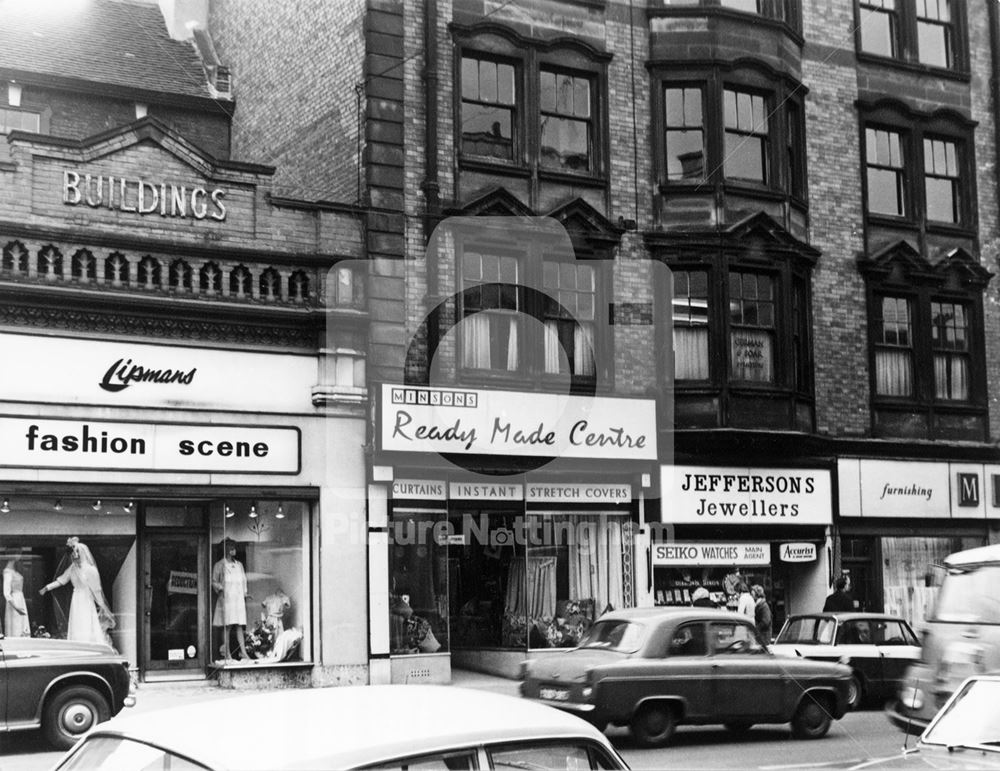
[[707, 554], [424, 489], [724, 495], [911, 489], [486, 491], [58, 370], [118, 446], [475, 422], [559, 492], [797, 552]]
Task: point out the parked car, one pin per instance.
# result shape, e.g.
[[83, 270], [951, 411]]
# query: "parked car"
[[653, 668], [960, 638], [877, 647], [377, 726], [64, 687], [965, 733]]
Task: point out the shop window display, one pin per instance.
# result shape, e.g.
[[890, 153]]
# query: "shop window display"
[[418, 584], [260, 592]]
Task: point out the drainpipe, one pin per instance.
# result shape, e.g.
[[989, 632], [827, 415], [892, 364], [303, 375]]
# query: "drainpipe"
[[431, 188], [993, 7]]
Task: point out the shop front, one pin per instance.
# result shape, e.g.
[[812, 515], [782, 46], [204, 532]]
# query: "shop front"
[[484, 569], [723, 527], [898, 520]]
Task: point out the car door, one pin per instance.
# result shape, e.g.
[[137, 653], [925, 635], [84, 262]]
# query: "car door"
[[898, 648], [856, 643], [749, 683], [687, 669]]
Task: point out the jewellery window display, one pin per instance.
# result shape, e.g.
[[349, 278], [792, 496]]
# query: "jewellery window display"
[[260, 592], [676, 585]]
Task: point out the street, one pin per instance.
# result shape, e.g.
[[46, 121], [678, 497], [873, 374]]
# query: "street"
[[858, 736]]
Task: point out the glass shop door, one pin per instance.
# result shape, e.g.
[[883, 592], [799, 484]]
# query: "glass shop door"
[[175, 603]]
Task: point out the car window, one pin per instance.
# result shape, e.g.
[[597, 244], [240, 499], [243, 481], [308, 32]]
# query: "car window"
[[825, 628], [618, 635], [110, 753], [559, 756], [732, 637], [855, 633], [808, 630], [462, 760], [971, 718], [688, 640], [891, 633]]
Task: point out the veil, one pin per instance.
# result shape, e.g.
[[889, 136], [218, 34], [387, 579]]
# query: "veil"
[[92, 578]]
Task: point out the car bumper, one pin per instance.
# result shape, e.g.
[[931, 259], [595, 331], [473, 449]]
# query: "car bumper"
[[567, 706], [905, 719]]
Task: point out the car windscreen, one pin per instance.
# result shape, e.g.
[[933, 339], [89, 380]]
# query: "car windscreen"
[[113, 753], [808, 630], [971, 719], [614, 634], [970, 596]]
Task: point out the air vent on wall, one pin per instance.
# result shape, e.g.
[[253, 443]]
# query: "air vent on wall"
[[223, 82]]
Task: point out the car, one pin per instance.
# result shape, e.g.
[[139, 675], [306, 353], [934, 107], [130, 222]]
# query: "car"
[[965, 732], [877, 647], [61, 686], [373, 726], [654, 668]]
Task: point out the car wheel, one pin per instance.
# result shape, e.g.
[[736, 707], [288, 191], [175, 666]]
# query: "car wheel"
[[855, 693], [71, 712], [738, 728], [812, 720], [654, 725]]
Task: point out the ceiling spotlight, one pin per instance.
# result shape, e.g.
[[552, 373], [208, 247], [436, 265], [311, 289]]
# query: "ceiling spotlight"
[[129, 506], [97, 505], [6, 506], [253, 512], [280, 514], [230, 513], [58, 504]]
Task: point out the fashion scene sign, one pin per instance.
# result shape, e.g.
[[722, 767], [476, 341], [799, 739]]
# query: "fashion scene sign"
[[721, 495], [450, 420], [88, 444]]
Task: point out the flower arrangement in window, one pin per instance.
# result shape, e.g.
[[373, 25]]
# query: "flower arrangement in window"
[[260, 640]]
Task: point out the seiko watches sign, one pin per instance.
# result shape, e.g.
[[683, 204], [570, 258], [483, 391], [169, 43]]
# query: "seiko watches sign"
[[722, 495], [466, 421], [707, 554], [144, 197]]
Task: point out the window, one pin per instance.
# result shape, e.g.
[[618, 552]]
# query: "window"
[[488, 108], [456, 760], [894, 348], [941, 185], [690, 318], [786, 11], [746, 136], [752, 324], [19, 120], [685, 134], [922, 32], [732, 637], [569, 318], [418, 584], [491, 306], [688, 640], [950, 343], [886, 173], [566, 131]]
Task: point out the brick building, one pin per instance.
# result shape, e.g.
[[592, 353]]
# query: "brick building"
[[184, 347]]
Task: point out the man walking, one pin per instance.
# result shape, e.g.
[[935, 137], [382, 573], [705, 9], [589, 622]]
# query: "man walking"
[[841, 600]]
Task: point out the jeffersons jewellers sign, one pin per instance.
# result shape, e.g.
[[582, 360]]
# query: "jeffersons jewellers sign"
[[142, 196]]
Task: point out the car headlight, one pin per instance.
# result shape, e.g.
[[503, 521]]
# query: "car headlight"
[[911, 698], [587, 691]]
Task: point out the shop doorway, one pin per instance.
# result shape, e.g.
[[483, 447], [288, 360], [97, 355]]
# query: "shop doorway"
[[175, 605]]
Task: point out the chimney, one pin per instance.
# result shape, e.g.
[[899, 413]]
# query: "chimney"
[[183, 16]]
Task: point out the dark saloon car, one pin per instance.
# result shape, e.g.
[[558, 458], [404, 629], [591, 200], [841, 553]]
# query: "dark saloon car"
[[653, 668], [64, 687], [877, 647]]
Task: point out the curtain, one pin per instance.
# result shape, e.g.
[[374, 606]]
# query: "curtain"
[[512, 343], [476, 341], [552, 347], [532, 595], [951, 379], [595, 562], [691, 353], [753, 355], [583, 350], [892, 372]]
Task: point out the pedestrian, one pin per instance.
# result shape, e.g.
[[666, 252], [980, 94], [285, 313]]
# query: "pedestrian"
[[762, 614], [745, 603], [840, 600], [701, 598]]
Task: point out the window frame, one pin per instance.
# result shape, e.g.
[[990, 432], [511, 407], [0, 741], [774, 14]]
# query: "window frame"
[[517, 108], [905, 37]]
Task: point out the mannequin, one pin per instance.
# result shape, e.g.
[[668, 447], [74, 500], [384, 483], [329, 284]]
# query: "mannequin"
[[229, 579], [16, 621], [275, 606], [90, 616]]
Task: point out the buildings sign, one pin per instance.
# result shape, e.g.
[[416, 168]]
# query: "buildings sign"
[[466, 421], [557, 492], [797, 552], [105, 445], [67, 371], [141, 196], [743, 495], [706, 554]]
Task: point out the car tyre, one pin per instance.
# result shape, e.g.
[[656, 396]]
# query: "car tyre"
[[738, 728], [855, 693], [71, 712], [812, 719], [654, 725]]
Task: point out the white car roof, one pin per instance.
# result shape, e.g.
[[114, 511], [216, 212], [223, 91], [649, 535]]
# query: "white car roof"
[[975, 556], [341, 727]]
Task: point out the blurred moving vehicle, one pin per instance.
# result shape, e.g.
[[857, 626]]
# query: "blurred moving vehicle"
[[965, 733], [877, 647], [374, 726], [64, 687], [653, 668], [961, 637]]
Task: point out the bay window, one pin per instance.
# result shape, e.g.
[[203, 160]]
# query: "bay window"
[[925, 33], [752, 327]]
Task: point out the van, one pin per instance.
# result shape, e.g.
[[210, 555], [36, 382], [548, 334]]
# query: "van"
[[961, 638]]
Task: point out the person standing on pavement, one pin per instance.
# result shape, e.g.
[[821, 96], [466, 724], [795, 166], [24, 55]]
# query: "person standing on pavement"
[[841, 600], [745, 603], [762, 614]]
